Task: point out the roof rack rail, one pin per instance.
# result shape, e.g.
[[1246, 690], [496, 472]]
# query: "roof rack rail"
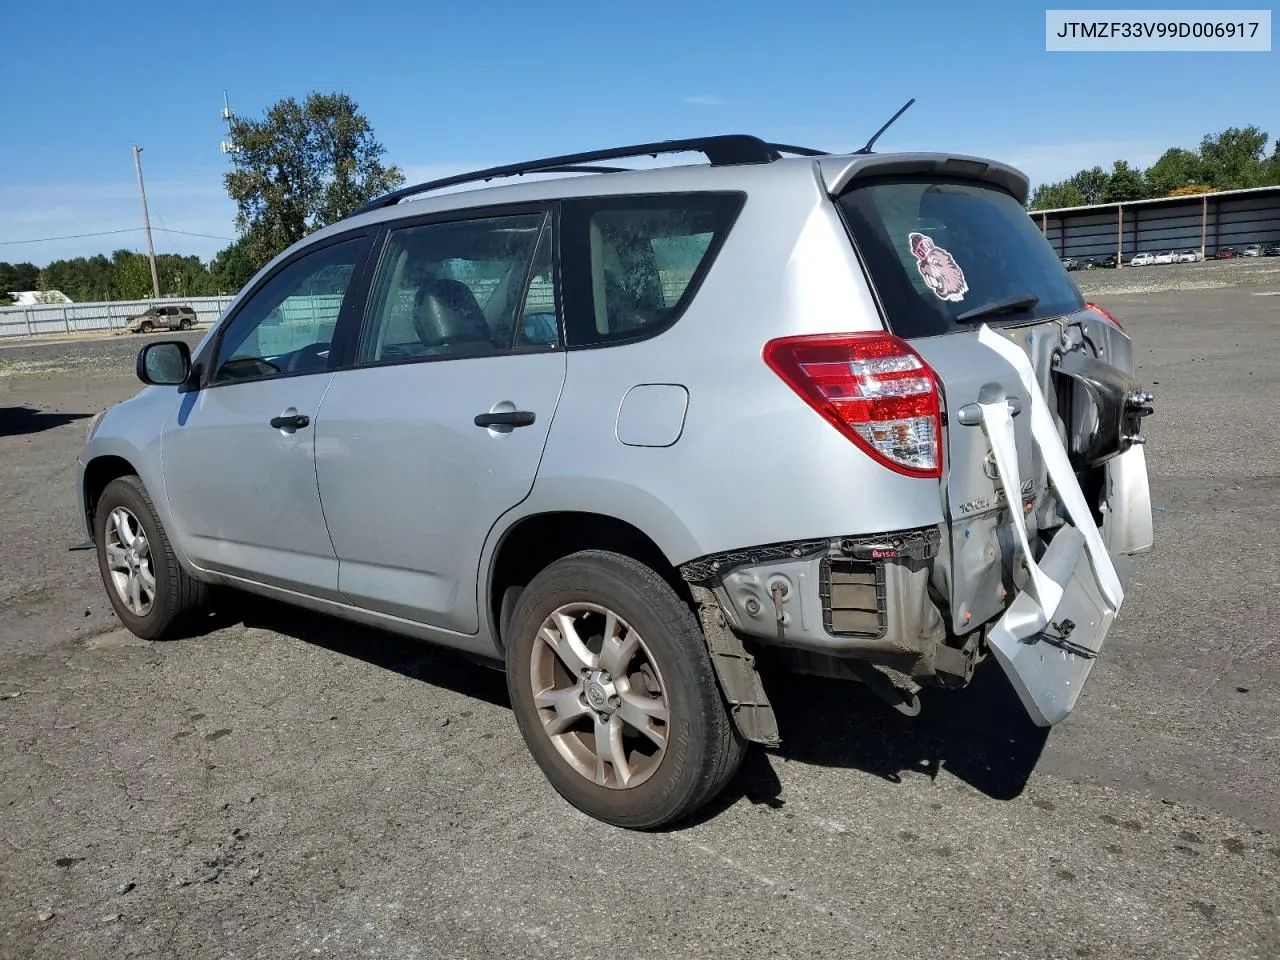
[[723, 150]]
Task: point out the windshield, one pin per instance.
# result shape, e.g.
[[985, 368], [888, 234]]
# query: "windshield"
[[939, 249]]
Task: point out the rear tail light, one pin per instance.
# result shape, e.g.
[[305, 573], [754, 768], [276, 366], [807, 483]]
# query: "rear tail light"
[[873, 388], [1105, 315]]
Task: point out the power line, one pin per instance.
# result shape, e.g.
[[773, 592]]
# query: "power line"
[[107, 233], [76, 236], [188, 233]]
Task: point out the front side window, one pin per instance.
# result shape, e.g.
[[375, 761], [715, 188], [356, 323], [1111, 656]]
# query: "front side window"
[[644, 257], [462, 289], [938, 251], [287, 325]]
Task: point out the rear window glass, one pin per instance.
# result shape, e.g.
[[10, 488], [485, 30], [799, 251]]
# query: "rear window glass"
[[936, 250], [644, 258]]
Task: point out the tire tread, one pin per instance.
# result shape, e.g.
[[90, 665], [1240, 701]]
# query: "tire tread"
[[182, 593]]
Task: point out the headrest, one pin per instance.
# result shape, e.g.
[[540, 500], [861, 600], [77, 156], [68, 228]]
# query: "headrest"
[[446, 311]]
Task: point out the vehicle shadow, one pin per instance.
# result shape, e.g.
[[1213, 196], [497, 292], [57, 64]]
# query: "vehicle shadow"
[[406, 656], [981, 734], [20, 421]]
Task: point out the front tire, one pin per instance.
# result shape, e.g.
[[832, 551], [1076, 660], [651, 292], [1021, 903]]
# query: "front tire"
[[151, 593], [146, 326], [614, 692]]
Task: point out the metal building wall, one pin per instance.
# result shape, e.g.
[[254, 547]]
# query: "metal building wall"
[[1222, 220]]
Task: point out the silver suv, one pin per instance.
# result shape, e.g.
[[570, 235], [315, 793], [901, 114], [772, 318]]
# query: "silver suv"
[[643, 437]]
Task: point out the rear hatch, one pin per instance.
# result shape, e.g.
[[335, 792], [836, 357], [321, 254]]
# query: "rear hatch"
[[964, 275]]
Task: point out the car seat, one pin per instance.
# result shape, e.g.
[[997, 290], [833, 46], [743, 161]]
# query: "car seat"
[[446, 312]]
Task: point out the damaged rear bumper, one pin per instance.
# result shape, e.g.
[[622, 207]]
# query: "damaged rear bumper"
[[1050, 592], [844, 597], [842, 603]]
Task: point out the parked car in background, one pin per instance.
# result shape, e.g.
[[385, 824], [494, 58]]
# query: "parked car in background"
[[1186, 256], [525, 421], [1272, 251], [168, 317], [1107, 261], [1252, 250], [1071, 263], [1167, 257], [1226, 253], [1142, 260]]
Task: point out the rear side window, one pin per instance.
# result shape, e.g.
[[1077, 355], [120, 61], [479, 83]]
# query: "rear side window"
[[936, 250], [636, 262]]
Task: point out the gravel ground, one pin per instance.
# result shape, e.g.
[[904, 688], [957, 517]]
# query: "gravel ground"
[[284, 786], [1206, 275]]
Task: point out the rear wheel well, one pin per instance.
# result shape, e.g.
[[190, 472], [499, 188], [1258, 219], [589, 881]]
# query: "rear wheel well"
[[99, 472], [537, 542]]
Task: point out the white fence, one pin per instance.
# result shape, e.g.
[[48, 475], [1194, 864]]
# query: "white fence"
[[299, 320], [87, 317]]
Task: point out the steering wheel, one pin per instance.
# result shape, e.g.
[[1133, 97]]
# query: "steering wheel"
[[303, 358]]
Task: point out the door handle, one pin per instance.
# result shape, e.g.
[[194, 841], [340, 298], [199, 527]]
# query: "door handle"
[[507, 418], [291, 423]]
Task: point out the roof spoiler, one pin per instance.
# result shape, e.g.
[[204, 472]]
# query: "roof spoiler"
[[840, 172]]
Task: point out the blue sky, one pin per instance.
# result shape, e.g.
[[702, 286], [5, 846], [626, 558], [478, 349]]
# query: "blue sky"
[[452, 86]]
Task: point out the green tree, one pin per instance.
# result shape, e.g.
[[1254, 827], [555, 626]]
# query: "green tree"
[[19, 276], [183, 276], [1234, 158], [131, 276], [1124, 184], [1271, 169], [1053, 196], [1092, 184], [69, 276], [1175, 169], [301, 167], [232, 268]]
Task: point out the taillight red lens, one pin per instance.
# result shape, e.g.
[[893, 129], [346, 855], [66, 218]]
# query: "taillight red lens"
[[873, 388], [1106, 315]]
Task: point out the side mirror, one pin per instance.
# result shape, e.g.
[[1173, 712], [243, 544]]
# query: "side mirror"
[[166, 363]]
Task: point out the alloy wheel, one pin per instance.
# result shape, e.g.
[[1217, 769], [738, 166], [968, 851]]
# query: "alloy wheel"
[[129, 561], [599, 695]]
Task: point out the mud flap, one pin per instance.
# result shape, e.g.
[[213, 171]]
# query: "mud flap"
[[1053, 631], [749, 706]]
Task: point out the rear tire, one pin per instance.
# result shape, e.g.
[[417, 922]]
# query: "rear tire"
[[633, 730], [151, 593], [184, 325]]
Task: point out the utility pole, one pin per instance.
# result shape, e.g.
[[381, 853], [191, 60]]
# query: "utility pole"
[[146, 223]]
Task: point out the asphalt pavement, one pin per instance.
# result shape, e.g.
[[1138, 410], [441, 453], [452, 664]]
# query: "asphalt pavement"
[[283, 785]]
